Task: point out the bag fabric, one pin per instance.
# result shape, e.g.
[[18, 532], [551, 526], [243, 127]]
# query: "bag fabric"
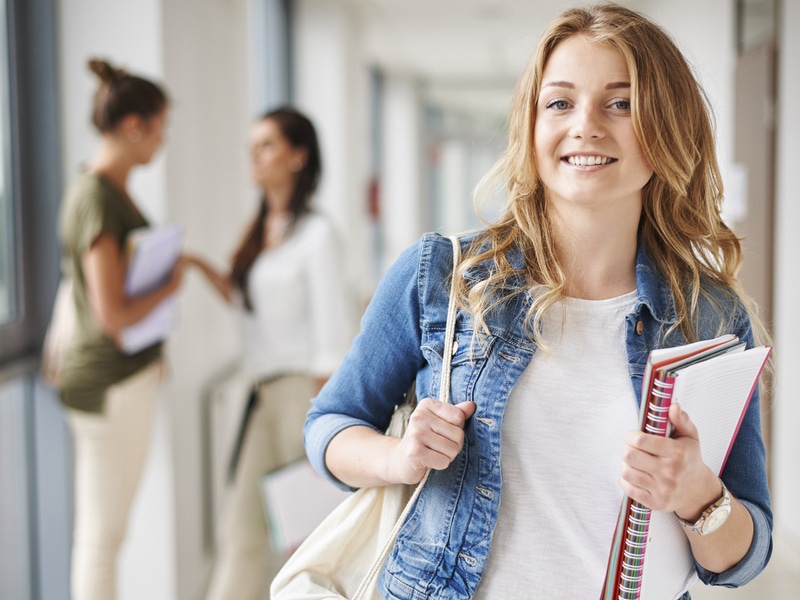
[[344, 554], [332, 562], [59, 331]]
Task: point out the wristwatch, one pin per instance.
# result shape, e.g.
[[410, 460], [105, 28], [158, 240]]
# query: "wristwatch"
[[713, 517]]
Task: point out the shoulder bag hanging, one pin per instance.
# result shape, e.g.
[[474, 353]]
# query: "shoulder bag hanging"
[[342, 557]]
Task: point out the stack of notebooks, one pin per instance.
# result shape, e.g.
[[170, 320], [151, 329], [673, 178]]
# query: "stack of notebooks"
[[713, 381]]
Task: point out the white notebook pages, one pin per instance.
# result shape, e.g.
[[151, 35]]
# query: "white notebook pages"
[[715, 394]]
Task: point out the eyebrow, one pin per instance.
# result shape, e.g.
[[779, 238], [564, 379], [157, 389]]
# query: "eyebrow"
[[615, 85]]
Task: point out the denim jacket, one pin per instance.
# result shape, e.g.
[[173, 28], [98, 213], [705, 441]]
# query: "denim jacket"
[[442, 549]]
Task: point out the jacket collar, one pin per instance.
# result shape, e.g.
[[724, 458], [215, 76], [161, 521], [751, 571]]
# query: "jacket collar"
[[653, 289]]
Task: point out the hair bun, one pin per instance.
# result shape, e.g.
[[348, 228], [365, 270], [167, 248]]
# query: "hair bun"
[[105, 71]]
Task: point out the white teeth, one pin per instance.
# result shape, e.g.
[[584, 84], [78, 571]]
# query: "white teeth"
[[584, 161]]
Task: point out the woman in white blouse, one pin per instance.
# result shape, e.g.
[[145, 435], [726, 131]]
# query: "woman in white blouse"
[[288, 277]]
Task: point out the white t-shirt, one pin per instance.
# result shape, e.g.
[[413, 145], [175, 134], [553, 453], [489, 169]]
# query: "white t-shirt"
[[301, 319], [562, 441]]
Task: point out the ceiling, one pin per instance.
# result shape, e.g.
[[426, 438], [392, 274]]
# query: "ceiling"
[[484, 42], [454, 41], [467, 54]]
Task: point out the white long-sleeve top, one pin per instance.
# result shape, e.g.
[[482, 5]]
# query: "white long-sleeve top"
[[300, 322]]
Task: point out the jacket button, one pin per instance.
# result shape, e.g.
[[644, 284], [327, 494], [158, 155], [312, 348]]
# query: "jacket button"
[[639, 328]]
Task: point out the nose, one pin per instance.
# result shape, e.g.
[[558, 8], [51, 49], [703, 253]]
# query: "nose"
[[587, 123]]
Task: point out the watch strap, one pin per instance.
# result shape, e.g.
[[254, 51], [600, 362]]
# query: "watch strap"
[[724, 502]]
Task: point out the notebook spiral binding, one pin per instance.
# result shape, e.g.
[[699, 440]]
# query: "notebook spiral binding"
[[639, 515]]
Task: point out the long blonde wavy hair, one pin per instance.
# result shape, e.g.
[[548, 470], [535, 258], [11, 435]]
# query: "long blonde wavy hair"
[[680, 226]]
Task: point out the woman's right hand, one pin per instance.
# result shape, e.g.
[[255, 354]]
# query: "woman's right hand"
[[434, 437], [360, 456]]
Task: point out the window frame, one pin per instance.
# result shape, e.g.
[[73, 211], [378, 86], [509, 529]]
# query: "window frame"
[[36, 177]]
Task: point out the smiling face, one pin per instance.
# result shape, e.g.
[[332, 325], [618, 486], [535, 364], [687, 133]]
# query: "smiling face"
[[587, 153]]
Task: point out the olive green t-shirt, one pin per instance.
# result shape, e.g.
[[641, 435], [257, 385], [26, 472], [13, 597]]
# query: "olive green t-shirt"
[[92, 361]]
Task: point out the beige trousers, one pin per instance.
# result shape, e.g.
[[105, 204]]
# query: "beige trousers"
[[245, 562], [110, 449]]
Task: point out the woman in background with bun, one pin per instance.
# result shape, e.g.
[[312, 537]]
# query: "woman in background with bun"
[[109, 395]]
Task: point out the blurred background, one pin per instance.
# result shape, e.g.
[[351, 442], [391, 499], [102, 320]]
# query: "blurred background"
[[409, 98]]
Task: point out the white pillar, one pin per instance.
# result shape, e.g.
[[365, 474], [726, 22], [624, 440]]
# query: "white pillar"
[[401, 168], [786, 443], [331, 87], [456, 191], [207, 68]]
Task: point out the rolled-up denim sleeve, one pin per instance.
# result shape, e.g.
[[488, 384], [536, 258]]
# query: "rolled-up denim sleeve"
[[753, 562], [379, 367]]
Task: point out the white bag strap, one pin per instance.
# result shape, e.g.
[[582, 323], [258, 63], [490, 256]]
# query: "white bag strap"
[[444, 396]]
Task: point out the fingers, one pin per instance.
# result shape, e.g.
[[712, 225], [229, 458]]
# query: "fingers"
[[468, 408], [659, 445], [435, 433], [661, 471], [682, 424]]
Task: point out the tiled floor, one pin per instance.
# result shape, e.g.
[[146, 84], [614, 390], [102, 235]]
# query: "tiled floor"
[[779, 581]]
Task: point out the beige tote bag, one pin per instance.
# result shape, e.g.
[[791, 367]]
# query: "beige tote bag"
[[344, 554]]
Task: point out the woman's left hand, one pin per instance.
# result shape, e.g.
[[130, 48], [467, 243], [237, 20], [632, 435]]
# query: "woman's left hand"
[[668, 473]]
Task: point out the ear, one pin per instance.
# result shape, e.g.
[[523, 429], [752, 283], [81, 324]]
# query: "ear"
[[132, 128], [299, 160]]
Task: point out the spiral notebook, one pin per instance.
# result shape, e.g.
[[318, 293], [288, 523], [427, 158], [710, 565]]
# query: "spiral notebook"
[[713, 380]]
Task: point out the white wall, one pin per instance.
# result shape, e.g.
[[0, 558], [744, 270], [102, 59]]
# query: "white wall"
[[786, 449]]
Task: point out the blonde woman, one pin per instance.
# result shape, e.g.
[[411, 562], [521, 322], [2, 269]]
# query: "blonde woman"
[[611, 245]]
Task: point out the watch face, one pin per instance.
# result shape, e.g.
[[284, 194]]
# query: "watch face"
[[715, 520]]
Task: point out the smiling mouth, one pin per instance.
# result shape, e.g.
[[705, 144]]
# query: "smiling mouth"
[[589, 161]]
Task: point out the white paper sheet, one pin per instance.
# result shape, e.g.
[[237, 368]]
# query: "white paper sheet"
[[296, 500], [153, 254]]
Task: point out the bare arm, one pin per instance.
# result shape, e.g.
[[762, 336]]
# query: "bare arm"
[[104, 268], [219, 281], [668, 474], [362, 457]]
